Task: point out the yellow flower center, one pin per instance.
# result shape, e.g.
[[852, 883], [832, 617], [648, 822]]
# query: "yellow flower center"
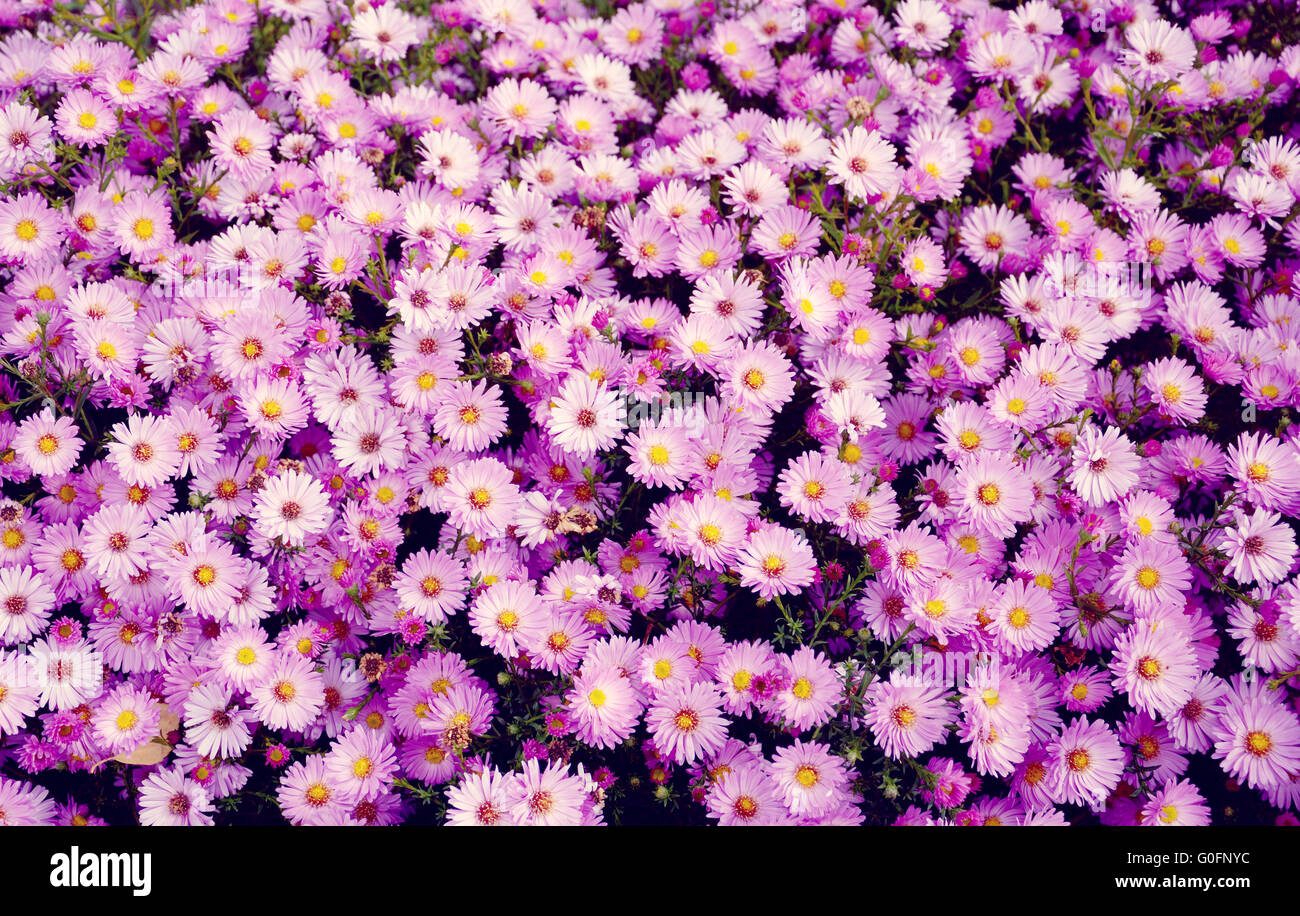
[[1258, 743]]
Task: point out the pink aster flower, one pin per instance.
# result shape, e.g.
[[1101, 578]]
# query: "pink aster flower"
[[1151, 747], [29, 228], [1265, 639], [143, 226], [991, 233], [996, 492], [739, 672], [907, 714], [208, 577], [586, 416], [815, 486], [1176, 390], [810, 778], [1267, 471], [758, 374], [291, 694], [49, 445], [914, 555], [197, 439], [1085, 689], [811, 689], [169, 798], [558, 647], [362, 764], [776, 561], [214, 725], [482, 497], [1104, 465], [1026, 618], [243, 656], [968, 429], [687, 722], [249, 343], [292, 506], [1260, 547], [386, 32], [241, 143], [1178, 803], [1258, 739], [747, 797], [368, 440], [26, 601], [714, 531], [115, 542], [659, 454], [480, 799], [1155, 665], [470, 416], [508, 616], [863, 162], [307, 796], [143, 450], [275, 408], [786, 232], [1086, 762], [432, 585], [922, 25], [752, 188], [604, 706], [1150, 575], [523, 108], [1158, 50], [126, 719], [463, 295], [923, 263], [19, 697], [551, 797]]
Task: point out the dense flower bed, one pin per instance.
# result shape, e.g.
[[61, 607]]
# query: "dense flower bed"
[[551, 413]]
